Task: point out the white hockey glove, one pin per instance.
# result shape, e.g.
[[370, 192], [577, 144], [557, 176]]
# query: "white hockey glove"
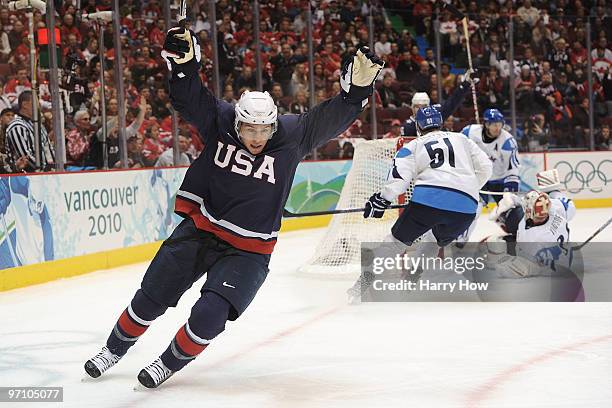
[[376, 206], [359, 74], [181, 52], [467, 77], [508, 202]]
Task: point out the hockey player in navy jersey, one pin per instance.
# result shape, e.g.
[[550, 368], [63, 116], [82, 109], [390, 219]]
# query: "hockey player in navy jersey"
[[231, 199], [450, 105]]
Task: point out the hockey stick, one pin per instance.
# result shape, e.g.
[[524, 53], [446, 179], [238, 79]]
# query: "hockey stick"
[[289, 214], [464, 21], [578, 247]]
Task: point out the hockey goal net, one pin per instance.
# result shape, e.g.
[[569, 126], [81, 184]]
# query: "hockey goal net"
[[339, 252]]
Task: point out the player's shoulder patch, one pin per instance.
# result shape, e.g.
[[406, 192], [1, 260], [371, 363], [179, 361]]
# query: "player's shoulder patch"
[[509, 143], [403, 152], [466, 130]]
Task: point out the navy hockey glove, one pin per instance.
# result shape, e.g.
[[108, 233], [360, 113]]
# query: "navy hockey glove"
[[359, 74], [181, 52], [376, 206]]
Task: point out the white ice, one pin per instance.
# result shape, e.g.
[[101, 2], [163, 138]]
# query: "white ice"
[[300, 345]]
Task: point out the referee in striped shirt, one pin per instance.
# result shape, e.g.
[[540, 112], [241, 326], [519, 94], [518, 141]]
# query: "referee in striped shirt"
[[20, 139]]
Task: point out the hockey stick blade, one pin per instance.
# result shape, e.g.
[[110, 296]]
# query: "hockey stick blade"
[[289, 214]]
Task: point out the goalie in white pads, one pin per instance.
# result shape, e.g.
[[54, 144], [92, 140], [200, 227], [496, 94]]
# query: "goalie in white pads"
[[448, 171], [539, 223]]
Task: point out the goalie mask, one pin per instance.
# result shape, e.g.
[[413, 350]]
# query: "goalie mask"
[[256, 108], [537, 206]]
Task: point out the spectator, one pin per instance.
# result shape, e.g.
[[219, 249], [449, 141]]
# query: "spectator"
[[15, 36], [5, 46], [299, 79], [153, 147], [535, 138], [19, 84], [20, 139], [448, 78], [284, 64], [228, 55], [382, 46], [166, 159], [161, 104], [528, 14], [581, 123], [78, 142], [5, 102], [602, 59], [277, 94], [395, 131], [578, 54], [112, 142], [490, 91], [567, 90], [300, 104], [449, 124], [406, 68], [559, 56], [524, 86], [134, 153], [246, 79], [421, 82], [388, 97], [603, 138], [228, 95]]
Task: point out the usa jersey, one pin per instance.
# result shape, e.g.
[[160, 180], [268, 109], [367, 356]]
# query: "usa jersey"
[[548, 244], [227, 191], [503, 153], [448, 170]]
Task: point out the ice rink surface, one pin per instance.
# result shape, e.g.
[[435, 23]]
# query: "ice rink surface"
[[300, 345]]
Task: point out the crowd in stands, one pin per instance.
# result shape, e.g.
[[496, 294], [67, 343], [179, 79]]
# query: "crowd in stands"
[[550, 69]]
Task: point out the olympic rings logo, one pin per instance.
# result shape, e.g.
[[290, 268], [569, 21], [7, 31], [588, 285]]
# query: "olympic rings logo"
[[585, 176]]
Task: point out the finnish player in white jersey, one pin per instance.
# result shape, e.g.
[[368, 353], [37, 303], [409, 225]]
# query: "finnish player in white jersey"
[[501, 148], [448, 171], [539, 223]]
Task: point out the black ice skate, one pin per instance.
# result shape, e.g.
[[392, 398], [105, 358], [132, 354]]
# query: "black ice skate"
[[154, 374], [101, 362]]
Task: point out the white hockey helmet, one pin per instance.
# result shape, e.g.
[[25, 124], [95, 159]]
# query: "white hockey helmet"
[[256, 108], [420, 98], [537, 206]]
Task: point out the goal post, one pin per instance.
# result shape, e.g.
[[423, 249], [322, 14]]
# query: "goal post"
[[339, 252]]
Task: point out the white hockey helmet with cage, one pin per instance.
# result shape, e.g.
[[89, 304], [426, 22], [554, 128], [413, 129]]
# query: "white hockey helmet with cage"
[[536, 205], [256, 108]]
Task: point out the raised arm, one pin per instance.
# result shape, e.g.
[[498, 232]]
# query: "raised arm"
[[189, 96], [333, 116], [455, 99]]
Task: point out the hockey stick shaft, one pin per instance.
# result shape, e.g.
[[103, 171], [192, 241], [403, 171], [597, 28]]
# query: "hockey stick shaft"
[[289, 214], [466, 32], [593, 235]]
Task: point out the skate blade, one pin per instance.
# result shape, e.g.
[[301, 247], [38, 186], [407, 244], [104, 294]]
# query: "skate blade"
[[141, 388]]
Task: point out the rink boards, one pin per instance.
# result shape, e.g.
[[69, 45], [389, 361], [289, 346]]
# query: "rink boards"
[[64, 224]]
